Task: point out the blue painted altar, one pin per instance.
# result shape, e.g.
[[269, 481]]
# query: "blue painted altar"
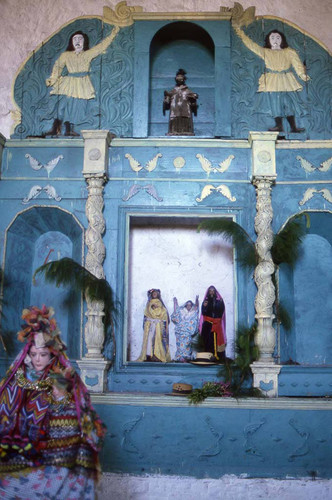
[[58, 192]]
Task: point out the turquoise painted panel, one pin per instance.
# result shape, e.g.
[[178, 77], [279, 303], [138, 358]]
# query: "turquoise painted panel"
[[308, 381], [182, 45], [211, 163], [211, 442], [130, 77], [107, 74], [150, 74], [306, 293], [304, 164], [35, 161], [313, 285], [251, 111]]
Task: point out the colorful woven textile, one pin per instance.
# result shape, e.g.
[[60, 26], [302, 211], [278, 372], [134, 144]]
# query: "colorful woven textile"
[[47, 483]]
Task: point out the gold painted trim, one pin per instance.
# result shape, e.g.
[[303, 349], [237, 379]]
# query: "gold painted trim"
[[183, 16], [141, 399]]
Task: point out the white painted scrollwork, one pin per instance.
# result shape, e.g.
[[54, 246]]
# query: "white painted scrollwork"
[[326, 193], [309, 167], [222, 189], [208, 167], [136, 166]]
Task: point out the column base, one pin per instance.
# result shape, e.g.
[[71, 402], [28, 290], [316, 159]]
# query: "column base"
[[94, 373], [266, 378]]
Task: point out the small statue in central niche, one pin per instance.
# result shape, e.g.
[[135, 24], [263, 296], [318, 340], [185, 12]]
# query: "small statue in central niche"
[[185, 319], [182, 103]]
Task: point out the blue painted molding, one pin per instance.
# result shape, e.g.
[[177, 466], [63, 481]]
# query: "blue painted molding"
[[255, 438]]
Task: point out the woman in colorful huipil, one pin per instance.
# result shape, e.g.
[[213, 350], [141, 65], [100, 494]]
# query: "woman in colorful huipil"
[[50, 435]]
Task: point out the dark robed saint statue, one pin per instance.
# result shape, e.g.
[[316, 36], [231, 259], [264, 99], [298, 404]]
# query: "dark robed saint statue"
[[182, 103]]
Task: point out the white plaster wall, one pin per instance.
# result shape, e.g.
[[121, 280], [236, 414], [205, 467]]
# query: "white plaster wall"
[[24, 24], [181, 263], [126, 487]]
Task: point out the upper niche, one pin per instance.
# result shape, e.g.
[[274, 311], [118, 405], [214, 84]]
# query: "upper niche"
[[188, 46]]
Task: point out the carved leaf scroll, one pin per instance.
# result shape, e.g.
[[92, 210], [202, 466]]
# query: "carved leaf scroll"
[[222, 189], [136, 165], [122, 15], [326, 193], [309, 167], [208, 167]]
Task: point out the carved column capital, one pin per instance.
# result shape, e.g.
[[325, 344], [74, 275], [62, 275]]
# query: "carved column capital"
[[96, 144]]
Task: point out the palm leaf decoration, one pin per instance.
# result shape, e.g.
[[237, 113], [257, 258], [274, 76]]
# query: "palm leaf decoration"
[[68, 272], [231, 231], [286, 247], [236, 372]]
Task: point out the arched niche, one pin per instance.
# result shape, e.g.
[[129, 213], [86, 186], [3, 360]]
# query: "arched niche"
[[306, 291], [182, 45], [37, 235], [161, 48]]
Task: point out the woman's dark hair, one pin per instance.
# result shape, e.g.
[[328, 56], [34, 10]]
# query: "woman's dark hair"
[[71, 48], [267, 44]]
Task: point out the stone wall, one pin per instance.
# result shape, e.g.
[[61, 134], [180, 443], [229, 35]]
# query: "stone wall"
[[125, 487]]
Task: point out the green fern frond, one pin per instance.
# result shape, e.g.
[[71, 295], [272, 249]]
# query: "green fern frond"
[[67, 272], [287, 243], [283, 317], [231, 231]]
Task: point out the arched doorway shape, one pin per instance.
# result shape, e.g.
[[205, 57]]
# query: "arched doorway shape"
[[307, 293], [36, 235], [219, 35], [188, 46]]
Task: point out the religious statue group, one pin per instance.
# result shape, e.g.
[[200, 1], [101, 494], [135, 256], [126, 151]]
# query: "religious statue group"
[[189, 321]]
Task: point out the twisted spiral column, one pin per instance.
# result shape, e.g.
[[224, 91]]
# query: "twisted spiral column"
[[266, 335], [94, 328]]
